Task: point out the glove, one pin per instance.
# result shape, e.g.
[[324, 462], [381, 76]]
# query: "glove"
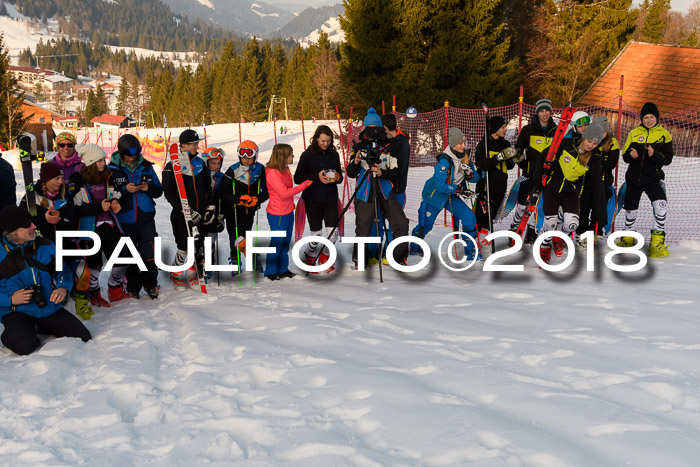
[[520, 156], [248, 201], [209, 215], [464, 193], [466, 169], [506, 154], [220, 226], [195, 216]]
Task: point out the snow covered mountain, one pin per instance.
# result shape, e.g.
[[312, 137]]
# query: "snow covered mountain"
[[243, 16], [309, 24]]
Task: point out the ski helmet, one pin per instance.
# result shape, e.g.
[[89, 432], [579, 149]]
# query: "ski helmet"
[[212, 153], [248, 149], [128, 145], [580, 118]]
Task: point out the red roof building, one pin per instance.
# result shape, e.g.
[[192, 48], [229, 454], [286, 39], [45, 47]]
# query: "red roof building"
[[112, 121], [667, 75]]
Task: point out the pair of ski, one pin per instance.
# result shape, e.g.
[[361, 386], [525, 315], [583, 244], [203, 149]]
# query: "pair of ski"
[[536, 192], [179, 162]]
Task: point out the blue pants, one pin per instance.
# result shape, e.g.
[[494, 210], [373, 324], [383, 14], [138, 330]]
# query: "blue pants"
[[278, 262], [427, 213]]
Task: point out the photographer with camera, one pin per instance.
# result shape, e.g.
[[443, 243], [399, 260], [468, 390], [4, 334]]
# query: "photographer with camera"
[[31, 291], [137, 182], [382, 190], [97, 202], [446, 190]]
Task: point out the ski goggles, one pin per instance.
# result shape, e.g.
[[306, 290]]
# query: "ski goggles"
[[248, 153], [130, 151], [583, 121], [216, 154]]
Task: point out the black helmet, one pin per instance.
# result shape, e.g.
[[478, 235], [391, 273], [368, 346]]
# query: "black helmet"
[[128, 145]]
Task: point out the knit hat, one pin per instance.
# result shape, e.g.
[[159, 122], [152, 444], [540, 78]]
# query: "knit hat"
[[14, 217], [593, 133], [495, 123], [90, 153], [649, 108], [189, 136], [603, 123], [49, 170], [543, 104], [372, 119], [65, 136], [455, 136]]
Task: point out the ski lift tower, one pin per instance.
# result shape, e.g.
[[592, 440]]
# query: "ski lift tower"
[[279, 100]]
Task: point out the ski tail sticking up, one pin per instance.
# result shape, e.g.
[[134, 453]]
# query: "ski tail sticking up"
[[534, 198], [509, 202], [192, 230], [24, 142]]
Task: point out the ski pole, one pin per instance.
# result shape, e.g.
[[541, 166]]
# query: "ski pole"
[[488, 186]]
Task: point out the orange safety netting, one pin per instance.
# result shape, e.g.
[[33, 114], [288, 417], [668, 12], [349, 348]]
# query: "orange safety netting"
[[427, 132]]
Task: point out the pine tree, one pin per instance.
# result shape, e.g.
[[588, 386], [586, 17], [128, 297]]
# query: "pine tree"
[[92, 108], [370, 59], [161, 95], [12, 120], [253, 91], [123, 98], [655, 21], [101, 100]]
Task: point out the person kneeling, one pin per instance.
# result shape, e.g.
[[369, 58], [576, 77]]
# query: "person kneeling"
[[28, 297]]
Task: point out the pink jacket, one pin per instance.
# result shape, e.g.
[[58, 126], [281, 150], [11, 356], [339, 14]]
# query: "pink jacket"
[[282, 191]]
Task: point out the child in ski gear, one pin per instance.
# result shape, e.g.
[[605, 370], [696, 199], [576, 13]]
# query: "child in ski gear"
[[213, 158], [385, 152], [67, 157], [31, 291], [564, 184], [243, 189], [532, 145], [579, 122], [201, 200], [593, 211], [138, 183], [451, 175], [280, 209], [647, 150], [493, 168], [320, 164], [97, 202]]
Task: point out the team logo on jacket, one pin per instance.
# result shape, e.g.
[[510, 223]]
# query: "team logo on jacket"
[[641, 139], [538, 141], [567, 159], [442, 169]]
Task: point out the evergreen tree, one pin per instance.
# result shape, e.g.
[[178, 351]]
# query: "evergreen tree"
[[39, 92], [655, 21], [161, 95], [12, 120], [370, 58], [253, 94], [123, 98], [92, 108], [101, 99]]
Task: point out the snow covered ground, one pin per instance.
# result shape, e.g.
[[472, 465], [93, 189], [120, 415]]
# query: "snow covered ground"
[[432, 368]]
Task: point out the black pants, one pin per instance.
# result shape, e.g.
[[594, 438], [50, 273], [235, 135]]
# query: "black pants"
[[654, 190], [243, 219], [590, 217], [109, 237], [393, 212], [143, 235], [482, 215], [21, 334], [318, 213], [177, 219]]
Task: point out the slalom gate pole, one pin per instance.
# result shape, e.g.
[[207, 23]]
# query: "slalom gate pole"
[[239, 132], [520, 116], [346, 184], [619, 135], [340, 129], [446, 143], [274, 128], [303, 135]]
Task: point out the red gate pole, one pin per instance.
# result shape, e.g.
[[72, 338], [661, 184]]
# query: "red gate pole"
[[619, 135], [340, 129], [303, 135], [274, 128], [520, 116], [445, 140], [393, 103], [346, 184]]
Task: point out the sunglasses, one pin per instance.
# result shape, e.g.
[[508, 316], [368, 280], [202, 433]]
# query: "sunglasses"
[[583, 121], [247, 153], [66, 145]]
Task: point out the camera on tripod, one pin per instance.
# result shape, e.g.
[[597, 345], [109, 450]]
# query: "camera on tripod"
[[372, 152], [37, 296]]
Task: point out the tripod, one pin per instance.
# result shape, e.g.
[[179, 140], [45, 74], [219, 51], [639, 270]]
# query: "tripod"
[[374, 188]]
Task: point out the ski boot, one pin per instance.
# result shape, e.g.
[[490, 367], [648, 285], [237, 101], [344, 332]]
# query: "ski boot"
[[625, 242], [286, 275], [470, 253], [309, 261], [97, 300], [546, 254], [193, 281], [115, 294], [415, 250], [530, 235], [233, 261], [558, 245], [178, 280], [153, 293], [82, 306], [322, 260], [657, 247]]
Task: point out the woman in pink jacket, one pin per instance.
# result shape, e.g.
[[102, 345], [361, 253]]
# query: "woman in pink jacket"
[[280, 209]]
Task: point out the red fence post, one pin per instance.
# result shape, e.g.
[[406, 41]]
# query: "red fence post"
[[303, 135], [274, 128], [520, 116], [340, 128], [393, 103]]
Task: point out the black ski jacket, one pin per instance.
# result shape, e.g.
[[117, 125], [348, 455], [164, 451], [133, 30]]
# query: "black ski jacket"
[[310, 164]]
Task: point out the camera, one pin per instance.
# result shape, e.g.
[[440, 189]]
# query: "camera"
[[37, 296], [371, 153]]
